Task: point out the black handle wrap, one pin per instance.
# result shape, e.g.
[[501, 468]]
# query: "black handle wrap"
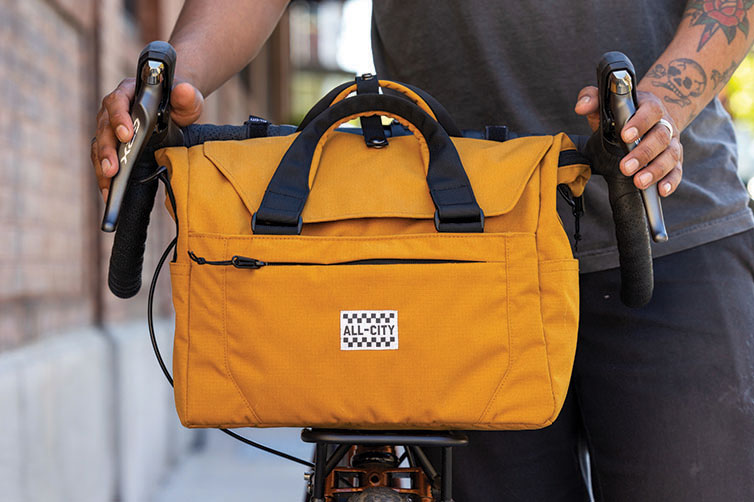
[[631, 231], [197, 134], [126, 260]]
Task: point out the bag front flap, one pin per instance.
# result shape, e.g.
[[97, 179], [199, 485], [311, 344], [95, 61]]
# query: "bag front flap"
[[354, 181]]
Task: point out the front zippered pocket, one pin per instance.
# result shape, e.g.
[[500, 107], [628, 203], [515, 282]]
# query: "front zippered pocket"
[[443, 313], [339, 324], [252, 263]]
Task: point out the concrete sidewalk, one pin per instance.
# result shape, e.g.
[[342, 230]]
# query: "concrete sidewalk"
[[229, 471]]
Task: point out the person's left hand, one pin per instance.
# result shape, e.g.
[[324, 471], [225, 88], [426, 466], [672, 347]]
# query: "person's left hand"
[[658, 158]]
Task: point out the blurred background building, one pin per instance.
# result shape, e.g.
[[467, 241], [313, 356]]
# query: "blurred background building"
[[85, 414]]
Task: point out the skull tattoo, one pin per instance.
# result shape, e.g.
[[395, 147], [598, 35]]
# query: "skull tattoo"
[[684, 77]]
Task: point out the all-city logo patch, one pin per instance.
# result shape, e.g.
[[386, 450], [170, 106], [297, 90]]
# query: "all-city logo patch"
[[368, 329]]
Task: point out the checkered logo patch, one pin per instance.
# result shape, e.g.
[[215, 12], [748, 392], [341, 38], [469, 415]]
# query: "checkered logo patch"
[[368, 329]]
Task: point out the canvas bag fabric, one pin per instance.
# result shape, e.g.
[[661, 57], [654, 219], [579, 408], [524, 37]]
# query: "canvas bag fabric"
[[479, 329]]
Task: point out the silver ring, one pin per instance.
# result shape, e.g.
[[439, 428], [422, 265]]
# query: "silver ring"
[[668, 125]]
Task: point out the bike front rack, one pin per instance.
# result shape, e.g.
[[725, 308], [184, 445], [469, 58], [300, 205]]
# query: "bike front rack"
[[412, 441]]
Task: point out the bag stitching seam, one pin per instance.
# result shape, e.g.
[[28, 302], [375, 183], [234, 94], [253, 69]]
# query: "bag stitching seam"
[[504, 378], [225, 332], [490, 236], [188, 347], [540, 217], [188, 307], [547, 347]]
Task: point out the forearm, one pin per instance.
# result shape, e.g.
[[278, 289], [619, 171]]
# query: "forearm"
[[214, 40], [706, 49]]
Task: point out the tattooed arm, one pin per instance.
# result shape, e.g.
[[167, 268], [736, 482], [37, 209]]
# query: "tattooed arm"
[[710, 43]]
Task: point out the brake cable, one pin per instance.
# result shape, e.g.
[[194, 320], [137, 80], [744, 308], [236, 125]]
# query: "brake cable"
[[161, 174]]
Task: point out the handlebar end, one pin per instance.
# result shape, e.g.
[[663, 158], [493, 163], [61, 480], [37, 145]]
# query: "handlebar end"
[[660, 236]]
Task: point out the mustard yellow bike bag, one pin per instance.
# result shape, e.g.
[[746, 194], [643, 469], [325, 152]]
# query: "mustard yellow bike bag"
[[318, 281]]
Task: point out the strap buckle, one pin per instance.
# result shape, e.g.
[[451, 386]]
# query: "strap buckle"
[[471, 225], [261, 228]]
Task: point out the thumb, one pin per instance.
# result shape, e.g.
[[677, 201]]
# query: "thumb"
[[186, 104], [588, 104]]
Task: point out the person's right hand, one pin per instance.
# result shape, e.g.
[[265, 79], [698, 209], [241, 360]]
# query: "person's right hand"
[[114, 124]]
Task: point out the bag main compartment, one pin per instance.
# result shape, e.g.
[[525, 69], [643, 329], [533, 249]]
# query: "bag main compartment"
[[487, 343]]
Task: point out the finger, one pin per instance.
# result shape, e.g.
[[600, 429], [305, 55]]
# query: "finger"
[[106, 146], [660, 167], [649, 112], [186, 104], [94, 157], [118, 104], [588, 101], [588, 104], [652, 144], [103, 183], [670, 182]]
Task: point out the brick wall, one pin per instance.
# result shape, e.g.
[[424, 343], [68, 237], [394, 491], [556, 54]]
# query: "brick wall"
[[44, 205], [85, 413], [57, 59]]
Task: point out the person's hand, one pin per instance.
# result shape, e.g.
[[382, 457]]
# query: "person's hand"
[[114, 124], [659, 156]]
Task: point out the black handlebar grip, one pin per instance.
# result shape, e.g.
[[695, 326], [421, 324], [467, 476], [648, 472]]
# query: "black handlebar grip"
[[637, 283], [127, 258], [631, 230]]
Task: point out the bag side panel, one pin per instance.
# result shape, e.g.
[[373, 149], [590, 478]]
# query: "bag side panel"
[[523, 399], [559, 289], [212, 395], [558, 275], [179, 280]]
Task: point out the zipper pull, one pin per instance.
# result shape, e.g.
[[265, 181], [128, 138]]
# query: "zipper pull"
[[577, 209], [198, 259], [243, 262]]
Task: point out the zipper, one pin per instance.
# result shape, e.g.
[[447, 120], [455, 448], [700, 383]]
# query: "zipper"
[[254, 264]]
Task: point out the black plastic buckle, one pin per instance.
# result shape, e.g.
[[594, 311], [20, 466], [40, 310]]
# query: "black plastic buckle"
[[266, 229], [496, 133], [460, 226]]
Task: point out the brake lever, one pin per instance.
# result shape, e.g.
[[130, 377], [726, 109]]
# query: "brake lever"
[[618, 103], [150, 114]]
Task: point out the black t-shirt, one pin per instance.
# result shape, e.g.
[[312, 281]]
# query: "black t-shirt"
[[522, 64]]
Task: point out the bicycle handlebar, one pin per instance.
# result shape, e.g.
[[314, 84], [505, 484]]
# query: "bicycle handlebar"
[[629, 215], [127, 257], [631, 230]]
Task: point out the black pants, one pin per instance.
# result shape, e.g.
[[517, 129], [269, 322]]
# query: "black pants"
[[662, 395]]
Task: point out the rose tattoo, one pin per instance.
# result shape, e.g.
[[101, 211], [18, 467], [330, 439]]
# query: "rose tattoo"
[[728, 16]]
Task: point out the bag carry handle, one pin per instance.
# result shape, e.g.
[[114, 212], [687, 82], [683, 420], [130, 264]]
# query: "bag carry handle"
[[420, 97], [456, 208]]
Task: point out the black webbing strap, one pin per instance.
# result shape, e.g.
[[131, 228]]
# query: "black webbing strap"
[[371, 127], [571, 157], [256, 127], [496, 133], [449, 186]]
